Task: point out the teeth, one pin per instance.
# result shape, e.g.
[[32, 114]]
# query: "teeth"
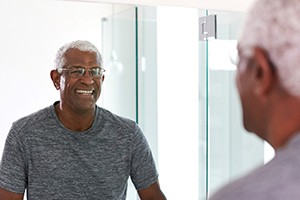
[[84, 91]]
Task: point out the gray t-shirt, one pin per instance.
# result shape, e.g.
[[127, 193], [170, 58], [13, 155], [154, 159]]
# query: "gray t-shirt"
[[277, 180], [53, 162]]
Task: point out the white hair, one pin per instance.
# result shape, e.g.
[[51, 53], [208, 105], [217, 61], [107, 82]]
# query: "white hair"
[[273, 25], [81, 45]]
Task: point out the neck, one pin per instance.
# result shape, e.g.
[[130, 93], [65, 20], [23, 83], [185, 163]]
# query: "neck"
[[75, 120], [284, 124]]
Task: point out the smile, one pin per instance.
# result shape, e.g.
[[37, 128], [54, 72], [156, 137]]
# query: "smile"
[[87, 92]]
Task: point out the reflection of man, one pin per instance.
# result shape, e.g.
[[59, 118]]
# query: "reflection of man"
[[75, 149], [268, 77]]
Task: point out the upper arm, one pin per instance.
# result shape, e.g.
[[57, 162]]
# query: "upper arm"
[[142, 167], [153, 192], [13, 174], [7, 195]]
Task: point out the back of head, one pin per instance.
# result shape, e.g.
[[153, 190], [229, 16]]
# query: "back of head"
[[273, 25], [81, 45]]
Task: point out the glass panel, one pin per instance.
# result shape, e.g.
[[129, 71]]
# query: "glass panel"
[[203, 116], [231, 150], [147, 75], [119, 56]]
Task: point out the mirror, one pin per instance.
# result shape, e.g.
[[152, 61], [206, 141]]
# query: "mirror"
[[155, 75], [32, 32]]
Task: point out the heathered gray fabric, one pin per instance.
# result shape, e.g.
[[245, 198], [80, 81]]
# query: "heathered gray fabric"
[[277, 180], [53, 162]]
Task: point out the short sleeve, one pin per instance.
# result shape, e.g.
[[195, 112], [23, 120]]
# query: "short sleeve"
[[12, 167], [143, 169]]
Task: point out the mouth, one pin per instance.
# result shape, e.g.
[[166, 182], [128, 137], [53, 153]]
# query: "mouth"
[[85, 92]]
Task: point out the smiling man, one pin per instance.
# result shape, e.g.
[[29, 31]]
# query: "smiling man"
[[74, 149]]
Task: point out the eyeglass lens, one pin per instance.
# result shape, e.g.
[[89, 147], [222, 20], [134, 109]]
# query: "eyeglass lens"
[[77, 71]]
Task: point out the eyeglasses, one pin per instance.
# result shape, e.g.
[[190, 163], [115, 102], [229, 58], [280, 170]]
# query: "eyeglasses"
[[78, 71]]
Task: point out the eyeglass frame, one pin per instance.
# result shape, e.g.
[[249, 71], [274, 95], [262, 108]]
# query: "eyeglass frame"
[[83, 70]]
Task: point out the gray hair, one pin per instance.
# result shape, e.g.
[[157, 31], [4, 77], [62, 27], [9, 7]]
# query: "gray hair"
[[273, 25], [81, 45]]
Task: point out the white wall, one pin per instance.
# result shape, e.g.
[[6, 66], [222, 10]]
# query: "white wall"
[[177, 99], [229, 5]]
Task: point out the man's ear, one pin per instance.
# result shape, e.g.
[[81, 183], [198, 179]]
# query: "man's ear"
[[55, 78], [264, 74]]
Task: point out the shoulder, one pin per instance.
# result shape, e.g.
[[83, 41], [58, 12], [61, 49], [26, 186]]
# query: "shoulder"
[[120, 128], [115, 121], [243, 188], [34, 119], [266, 182], [235, 190]]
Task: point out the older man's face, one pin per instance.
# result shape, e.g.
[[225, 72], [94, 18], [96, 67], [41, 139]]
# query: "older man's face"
[[80, 93]]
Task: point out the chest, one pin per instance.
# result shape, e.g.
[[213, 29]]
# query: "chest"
[[100, 162]]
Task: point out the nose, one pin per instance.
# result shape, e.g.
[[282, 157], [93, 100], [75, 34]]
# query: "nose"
[[87, 78]]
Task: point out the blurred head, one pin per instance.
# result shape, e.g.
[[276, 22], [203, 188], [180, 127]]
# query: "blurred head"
[[273, 25], [78, 75]]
